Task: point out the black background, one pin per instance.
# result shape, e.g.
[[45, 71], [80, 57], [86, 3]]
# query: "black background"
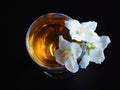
[[22, 74]]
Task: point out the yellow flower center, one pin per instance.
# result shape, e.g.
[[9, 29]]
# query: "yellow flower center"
[[66, 54], [90, 46], [82, 30]]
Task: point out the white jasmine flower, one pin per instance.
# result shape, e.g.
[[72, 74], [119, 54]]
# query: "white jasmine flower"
[[67, 54], [82, 31], [95, 51]]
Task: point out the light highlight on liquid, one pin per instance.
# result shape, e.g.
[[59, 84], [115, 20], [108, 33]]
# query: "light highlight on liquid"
[[43, 39]]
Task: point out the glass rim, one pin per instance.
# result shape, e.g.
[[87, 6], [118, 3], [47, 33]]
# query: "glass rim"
[[27, 43]]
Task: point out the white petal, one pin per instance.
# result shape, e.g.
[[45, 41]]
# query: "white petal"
[[88, 36], [76, 36], [58, 57], [91, 25], [97, 56], [71, 65], [105, 40], [76, 49], [63, 44], [91, 37], [72, 24], [84, 61]]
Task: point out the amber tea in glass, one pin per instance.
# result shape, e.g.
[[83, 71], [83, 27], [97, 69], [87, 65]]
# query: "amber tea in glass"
[[42, 40]]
